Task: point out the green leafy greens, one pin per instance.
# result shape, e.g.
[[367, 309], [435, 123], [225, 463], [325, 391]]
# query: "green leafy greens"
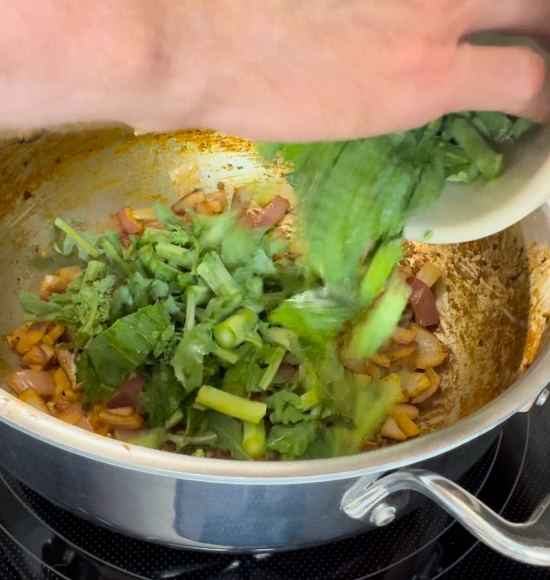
[[239, 343]]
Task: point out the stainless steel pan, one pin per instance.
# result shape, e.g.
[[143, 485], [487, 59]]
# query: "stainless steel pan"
[[493, 308]]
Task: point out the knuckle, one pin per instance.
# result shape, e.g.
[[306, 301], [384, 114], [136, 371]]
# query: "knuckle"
[[532, 72]]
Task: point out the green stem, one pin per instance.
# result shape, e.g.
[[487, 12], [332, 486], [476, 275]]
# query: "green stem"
[[368, 336], [216, 275], [226, 355], [309, 399], [235, 329], [489, 162], [273, 368], [381, 266], [254, 439], [113, 255], [175, 255], [250, 411], [76, 237]]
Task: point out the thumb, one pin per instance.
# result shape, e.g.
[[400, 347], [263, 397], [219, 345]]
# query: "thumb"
[[512, 79]]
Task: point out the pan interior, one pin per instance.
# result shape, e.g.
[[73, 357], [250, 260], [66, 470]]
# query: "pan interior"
[[493, 299]]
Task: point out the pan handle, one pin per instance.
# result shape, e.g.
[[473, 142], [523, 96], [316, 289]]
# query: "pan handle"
[[528, 542]]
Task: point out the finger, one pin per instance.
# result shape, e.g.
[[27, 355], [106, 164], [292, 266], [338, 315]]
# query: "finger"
[[516, 16], [513, 80]]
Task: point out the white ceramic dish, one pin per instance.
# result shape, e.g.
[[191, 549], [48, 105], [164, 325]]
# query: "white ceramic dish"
[[469, 212]]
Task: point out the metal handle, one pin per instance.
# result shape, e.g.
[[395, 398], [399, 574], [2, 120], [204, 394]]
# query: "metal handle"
[[528, 542]]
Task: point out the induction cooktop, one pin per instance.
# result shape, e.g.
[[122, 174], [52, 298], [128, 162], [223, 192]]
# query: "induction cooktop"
[[41, 541]]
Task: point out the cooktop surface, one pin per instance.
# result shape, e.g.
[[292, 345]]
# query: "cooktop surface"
[[41, 541]]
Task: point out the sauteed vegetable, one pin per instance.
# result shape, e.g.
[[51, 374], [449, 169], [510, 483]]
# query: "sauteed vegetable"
[[188, 335], [213, 330]]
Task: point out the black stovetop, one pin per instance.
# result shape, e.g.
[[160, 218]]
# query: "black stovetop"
[[40, 541]]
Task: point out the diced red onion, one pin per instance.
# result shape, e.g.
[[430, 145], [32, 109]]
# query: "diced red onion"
[[423, 303], [127, 395], [41, 381]]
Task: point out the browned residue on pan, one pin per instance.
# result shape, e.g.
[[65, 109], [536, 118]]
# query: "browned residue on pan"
[[493, 305]]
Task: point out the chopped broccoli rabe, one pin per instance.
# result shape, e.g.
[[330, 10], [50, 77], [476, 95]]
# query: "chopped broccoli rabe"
[[238, 340]]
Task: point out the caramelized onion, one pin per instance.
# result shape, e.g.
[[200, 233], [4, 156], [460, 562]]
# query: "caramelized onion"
[[127, 395], [189, 201], [423, 303], [429, 274], [391, 430], [66, 360], [41, 381], [425, 395], [32, 398], [73, 414], [52, 285], [129, 224], [268, 216], [403, 335], [430, 351]]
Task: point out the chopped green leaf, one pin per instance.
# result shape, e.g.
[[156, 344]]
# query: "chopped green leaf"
[[114, 354]]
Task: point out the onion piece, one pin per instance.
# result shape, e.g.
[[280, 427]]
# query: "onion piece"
[[404, 365], [400, 351], [85, 424], [404, 409], [32, 398], [66, 360], [423, 303], [430, 351], [130, 422], [73, 414], [70, 273], [391, 430], [144, 215], [435, 379], [128, 222], [403, 335], [407, 425], [415, 383], [381, 360], [51, 285], [425, 395], [186, 177], [189, 201], [42, 382], [269, 216], [25, 337], [429, 274], [127, 394]]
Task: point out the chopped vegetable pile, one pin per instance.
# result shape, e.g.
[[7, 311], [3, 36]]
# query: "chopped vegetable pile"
[[355, 196], [205, 330]]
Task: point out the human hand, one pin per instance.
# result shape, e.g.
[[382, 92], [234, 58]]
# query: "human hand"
[[282, 70], [296, 70]]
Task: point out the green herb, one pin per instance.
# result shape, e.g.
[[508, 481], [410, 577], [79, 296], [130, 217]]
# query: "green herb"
[[162, 396], [229, 434], [292, 441], [114, 354], [188, 359]]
